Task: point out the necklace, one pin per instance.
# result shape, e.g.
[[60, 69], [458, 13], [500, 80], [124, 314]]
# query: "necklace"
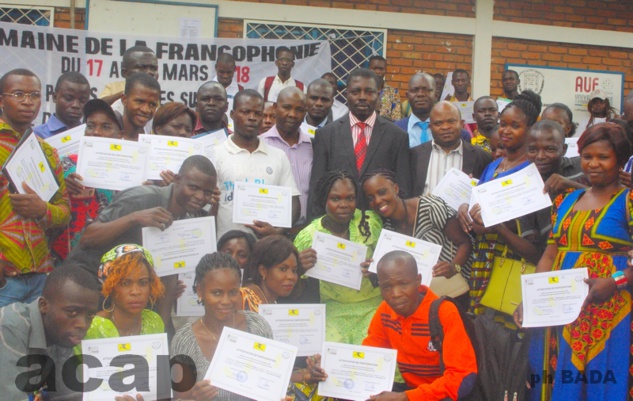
[[209, 331], [135, 331], [504, 169], [263, 294], [338, 234]]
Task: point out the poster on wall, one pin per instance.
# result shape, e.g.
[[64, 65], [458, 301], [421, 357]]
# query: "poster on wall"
[[184, 63], [570, 86]]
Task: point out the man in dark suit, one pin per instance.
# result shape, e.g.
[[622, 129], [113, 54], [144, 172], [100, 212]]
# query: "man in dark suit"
[[431, 160], [361, 141]]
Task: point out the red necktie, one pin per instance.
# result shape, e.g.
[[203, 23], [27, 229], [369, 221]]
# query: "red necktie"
[[360, 150]]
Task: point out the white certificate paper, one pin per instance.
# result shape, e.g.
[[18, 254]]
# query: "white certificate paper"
[[153, 381], [187, 304], [512, 196], [108, 163], [356, 372], [302, 325], [466, 108], [167, 153], [180, 247], [28, 164], [553, 298], [572, 147], [252, 366], [338, 260], [269, 203], [425, 253], [67, 142], [455, 188], [210, 141]]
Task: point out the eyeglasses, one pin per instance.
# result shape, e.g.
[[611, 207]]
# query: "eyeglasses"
[[20, 96]]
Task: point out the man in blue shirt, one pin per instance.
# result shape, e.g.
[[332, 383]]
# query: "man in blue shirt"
[[72, 92]]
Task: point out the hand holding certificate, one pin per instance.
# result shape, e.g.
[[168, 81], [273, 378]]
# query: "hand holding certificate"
[[67, 142], [425, 253], [180, 247], [114, 360], [252, 366], [268, 203], [553, 298], [512, 196], [338, 260], [28, 164], [356, 372]]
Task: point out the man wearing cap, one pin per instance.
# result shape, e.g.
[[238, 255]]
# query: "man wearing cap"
[[85, 203], [600, 110]]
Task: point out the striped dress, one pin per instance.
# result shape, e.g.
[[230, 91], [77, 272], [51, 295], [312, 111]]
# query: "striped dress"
[[185, 343]]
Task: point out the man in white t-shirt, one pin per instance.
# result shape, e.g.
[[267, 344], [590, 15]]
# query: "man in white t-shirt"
[[244, 157]]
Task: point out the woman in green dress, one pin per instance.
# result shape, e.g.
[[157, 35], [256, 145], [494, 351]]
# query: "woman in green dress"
[[129, 286], [349, 311]]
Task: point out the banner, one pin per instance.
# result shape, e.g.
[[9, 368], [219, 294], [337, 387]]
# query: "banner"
[[570, 86], [183, 63]]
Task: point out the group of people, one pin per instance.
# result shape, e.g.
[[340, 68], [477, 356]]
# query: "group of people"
[[74, 267]]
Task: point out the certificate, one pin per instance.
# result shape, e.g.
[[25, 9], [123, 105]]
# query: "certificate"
[[356, 372], [502, 103], [180, 247], [455, 188], [27, 163], [338, 260], [210, 141], [553, 298], [122, 355], [302, 325], [512, 196], [67, 142], [108, 163], [269, 203], [572, 147], [167, 153], [466, 108], [187, 304], [252, 366], [425, 253], [308, 129]]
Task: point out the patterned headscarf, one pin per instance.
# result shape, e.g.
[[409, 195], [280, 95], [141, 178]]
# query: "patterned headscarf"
[[117, 252]]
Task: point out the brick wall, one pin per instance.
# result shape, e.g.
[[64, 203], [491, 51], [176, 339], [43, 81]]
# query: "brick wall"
[[230, 28], [453, 8], [558, 55], [62, 17], [592, 14]]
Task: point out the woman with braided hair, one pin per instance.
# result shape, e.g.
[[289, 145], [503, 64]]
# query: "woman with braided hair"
[[514, 124], [349, 311]]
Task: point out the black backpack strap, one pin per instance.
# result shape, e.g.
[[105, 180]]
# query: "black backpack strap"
[[436, 329]]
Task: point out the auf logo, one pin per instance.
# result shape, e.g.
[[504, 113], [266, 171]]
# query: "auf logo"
[[263, 191], [293, 312], [340, 245], [358, 355], [42, 168], [66, 139], [553, 280], [172, 143], [259, 347], [115, 146], [179, 265], [125, 347], [410, 244], [506, 183]]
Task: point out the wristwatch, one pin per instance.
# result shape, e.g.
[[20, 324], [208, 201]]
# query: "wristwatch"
[[458, 267]]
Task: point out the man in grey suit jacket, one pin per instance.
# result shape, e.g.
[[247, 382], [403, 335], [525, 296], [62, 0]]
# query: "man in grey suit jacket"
[[387, 145], [431, 160]]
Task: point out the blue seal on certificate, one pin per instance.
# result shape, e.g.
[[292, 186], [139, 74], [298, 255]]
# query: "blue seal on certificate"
[[242, 376], [348, 384]]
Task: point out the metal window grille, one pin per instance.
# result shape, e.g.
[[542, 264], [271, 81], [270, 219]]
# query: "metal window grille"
[[350, 48], [41, 16]]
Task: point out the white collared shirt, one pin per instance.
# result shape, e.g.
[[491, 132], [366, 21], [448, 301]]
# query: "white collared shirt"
[[440, 162]]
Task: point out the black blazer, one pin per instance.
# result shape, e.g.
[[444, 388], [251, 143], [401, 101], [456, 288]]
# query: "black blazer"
[[475, 161], [334, 149]]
